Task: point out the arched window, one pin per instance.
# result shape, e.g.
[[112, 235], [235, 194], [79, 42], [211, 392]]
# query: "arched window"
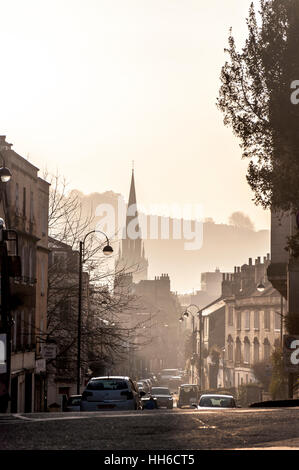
[[23, 260], [230, 348], [256, 350], [246, 350], [266, 350], [238, 350], [30, 274]]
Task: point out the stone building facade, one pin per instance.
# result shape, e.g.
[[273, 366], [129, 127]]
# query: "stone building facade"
[[242, 327], [24, 207]]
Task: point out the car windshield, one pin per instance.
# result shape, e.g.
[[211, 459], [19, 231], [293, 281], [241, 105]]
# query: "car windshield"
[[217, 402], [107, 384], [160, 391], [188, 389]]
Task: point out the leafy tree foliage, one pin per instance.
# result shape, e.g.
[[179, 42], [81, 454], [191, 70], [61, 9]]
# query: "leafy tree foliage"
[[255, 97], [279, 376]]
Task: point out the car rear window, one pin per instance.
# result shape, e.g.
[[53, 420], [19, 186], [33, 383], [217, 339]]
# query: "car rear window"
[[107, 384], [217, 402], [73, 401], [188, 389], [161, 391]]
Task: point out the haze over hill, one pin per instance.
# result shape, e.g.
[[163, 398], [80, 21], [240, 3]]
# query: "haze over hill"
[[224, 245]]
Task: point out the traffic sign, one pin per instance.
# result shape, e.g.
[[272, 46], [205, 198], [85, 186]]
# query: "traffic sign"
[[48, 350]]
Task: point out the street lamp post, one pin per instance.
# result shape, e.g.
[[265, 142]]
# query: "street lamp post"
[[107, 250]]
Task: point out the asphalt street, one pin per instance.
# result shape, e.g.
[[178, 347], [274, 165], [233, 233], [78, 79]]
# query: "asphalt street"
[[175, 429]]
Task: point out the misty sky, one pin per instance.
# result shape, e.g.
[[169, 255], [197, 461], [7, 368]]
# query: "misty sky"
[[88, 86]]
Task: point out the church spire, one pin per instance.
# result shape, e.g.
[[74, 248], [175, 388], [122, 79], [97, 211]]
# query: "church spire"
[[132, 196], [132, 251]]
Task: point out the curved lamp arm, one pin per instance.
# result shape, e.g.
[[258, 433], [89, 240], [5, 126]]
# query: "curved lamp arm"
[[96, 231]]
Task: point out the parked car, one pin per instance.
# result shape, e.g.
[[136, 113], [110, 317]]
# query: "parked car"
[[163, 397], [111, 393], [211, 402], [188, 395], [73, 403]]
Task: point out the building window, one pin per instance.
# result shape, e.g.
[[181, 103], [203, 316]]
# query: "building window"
[[31, 207], [22, 330], [266, 350], [256, 320], [238, 350], [23, 260], [24, 202], [42, 332], [15, 327], [59, 259], [230, 316], [238, 320], [246, 350], [230, 348], [42, 284], [267, 320], [247, 320], [44, 219], [256, 350], [30, 263], [17, 201], [205, 326], [65, 310], [277, 322], [29, 338]]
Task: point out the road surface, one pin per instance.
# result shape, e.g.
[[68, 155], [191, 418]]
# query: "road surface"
[[152, 430]]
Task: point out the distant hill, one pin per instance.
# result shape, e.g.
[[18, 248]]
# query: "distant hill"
[[224, 246]]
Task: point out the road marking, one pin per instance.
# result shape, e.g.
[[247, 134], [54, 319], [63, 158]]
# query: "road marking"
[[85, 415]]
